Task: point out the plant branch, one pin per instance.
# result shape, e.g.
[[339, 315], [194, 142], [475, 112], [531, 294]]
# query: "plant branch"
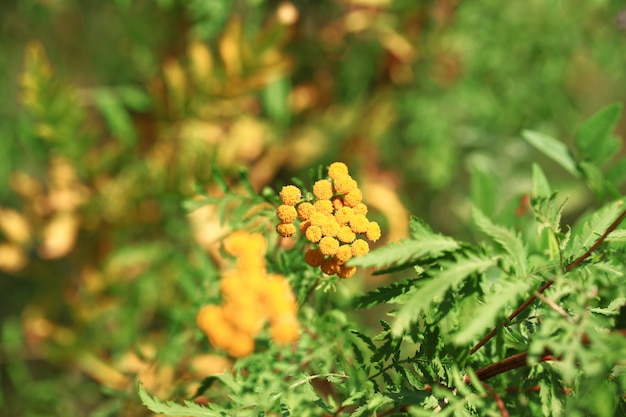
[[576, 262]]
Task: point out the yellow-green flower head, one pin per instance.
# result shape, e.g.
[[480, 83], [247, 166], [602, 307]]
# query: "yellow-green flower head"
[[290, 195], [318, 219], [314, 257], [353, 197], [286, 229], [305, 210], [360, 209], [346, 235], [328, 245], [323, 190], [324, 206], [343, 184], [346, 271], [344, 253], [360, 247], [359, 223], [337, 168], [286, 214], [313, 233], [373, 231], [344, 215]]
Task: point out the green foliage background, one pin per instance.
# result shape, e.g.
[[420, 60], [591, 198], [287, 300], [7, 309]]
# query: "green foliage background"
[[118, 110]]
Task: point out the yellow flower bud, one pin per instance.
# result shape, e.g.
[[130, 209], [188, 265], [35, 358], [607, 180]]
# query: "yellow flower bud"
[[285, 329], [359, 223], [353, 197], [328, 245], [313, 234], [323, 189], [324, 206], [318, 219], [286, 229], [337, 168], [314, 257], [344, 183], [240, 345], [344, 253], [286, 214], [290, 195], [331, 228], [360, 209], [345, 234], [305, 210], [373, 231], [360, 247], [344, 215]]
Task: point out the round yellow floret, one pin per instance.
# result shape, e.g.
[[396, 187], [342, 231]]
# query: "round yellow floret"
[[359, 223], [285, 330], [314, 257], [207, 315], [353, 198], [344, 253], [313, 234], [286, 229], [345, 234], [330, 266], [360, 209], [346, 271], [290, 195], [305, 210], [344, 215], [360, 247], [373, 232], [324, 206], [344, 183], [337, 168], [286, 214], [328, 245], [240, 345], [318, 219], [331, 228], [323, 189]]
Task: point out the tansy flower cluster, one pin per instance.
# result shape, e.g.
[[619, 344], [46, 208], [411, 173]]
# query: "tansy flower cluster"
[[250, 298], [335, 221]]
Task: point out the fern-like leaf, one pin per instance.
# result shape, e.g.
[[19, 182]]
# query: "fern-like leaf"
[[509, 241], [386, 294], [170, 408], [435, 288]]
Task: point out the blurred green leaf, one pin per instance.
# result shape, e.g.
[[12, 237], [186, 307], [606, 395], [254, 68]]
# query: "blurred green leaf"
[[554, 149], [594, 139], [118, 120]]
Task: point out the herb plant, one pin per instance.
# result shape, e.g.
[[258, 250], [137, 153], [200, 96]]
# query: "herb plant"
[[527, 320]]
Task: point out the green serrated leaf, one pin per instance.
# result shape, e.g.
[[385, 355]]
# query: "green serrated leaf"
[[386, 294], [509, 241], [419, 229], [405, 251], [434, 288], [552, 148], [594, 138], [169, 408], [487, 313]]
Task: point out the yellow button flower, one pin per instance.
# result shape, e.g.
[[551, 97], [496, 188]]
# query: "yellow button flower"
[[337, 168], [330, 266], [286, 214], [360, 209], [286, 229], [359, 223], [344, 215], [346, 271], [328, 245], [360, 247], [373, 232], [305, 210], [324, 206], [331, 228], [314, 257], [323, 190], [345, 234], [344, 253], [290, 195], [313, 233], [353, 197], [344, 183]]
